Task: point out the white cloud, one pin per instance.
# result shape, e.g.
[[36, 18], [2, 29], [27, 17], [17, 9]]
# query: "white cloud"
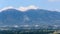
[[27, 8], [23, 9], [58, 10], [20, 8], [32, 7], [10, 7], [53, 0]]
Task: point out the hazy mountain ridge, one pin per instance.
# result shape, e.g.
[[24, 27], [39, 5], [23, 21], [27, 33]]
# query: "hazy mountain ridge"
[[30, 17]]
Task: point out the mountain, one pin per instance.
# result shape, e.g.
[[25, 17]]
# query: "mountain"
[[30, 17], [11, 17], [45, 17]]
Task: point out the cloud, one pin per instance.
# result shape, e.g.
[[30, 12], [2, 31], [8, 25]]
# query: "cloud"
[[27, 8], [23, 9], [57, 10], [53, 0], [10, 7], [20, 8]]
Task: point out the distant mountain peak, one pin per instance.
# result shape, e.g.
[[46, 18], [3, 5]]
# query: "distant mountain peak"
[[7, 8]]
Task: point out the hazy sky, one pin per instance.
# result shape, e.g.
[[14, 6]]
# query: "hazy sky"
[[43, 4]]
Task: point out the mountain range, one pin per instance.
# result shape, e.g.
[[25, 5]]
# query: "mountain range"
[[29, 17]]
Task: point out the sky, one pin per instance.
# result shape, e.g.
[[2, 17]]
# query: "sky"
[[42, 4]]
